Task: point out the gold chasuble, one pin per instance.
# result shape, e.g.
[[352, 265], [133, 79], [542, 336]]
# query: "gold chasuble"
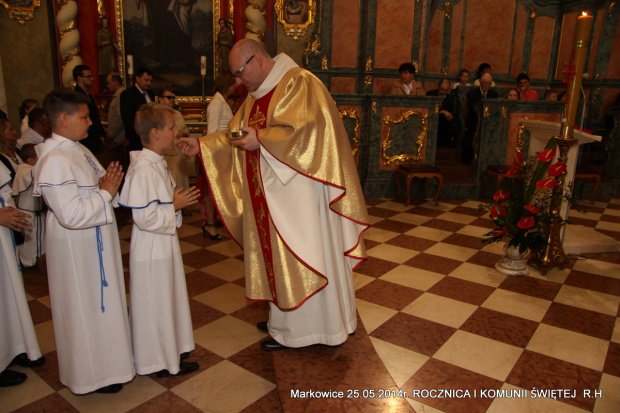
[[303, 144]]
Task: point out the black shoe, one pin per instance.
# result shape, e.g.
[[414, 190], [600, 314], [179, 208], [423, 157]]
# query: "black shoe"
[[262, 326], [216, 237], [111, 389], [10, 378], [23, 361], [270, 344], [185, 367], [184, 355]]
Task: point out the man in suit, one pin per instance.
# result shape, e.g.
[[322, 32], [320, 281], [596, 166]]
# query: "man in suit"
[[473, 97], [445, 126], [131, 100], [96, 134]]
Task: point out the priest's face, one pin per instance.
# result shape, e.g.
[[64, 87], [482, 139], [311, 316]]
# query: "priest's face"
[[246, 70]]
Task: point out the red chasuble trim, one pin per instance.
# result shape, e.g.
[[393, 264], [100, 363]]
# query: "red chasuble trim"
[[344, 192]]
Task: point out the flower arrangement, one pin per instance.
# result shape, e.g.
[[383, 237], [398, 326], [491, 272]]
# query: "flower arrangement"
[[520, 208]]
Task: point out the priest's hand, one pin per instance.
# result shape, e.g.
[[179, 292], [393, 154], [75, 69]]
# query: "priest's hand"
[[249, 142], [185, 197], [14, 219], [112, 179], [188, 146]]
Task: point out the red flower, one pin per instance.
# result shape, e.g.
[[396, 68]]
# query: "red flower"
[[513, 171], [518, 159], [532, 209], [497, 211], [556, 169], [500, 194], [546, 183], [500, 232], [547, 155], [526, 222]]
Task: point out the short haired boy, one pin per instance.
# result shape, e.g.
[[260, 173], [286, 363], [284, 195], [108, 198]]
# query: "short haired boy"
[[34, 237], [159, 303], [84, 267]]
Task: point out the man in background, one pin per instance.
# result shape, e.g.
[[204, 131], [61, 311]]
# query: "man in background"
[[84, 80], [131, 100]]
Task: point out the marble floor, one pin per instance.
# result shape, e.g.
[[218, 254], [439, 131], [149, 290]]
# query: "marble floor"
[[439, 330]]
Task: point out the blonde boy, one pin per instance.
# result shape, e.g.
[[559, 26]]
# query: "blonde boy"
[[159, 303]]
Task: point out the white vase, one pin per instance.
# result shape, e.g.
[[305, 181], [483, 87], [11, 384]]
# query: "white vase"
[[513, 261]]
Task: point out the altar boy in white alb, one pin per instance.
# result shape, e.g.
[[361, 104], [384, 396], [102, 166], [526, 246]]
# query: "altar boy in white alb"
[[160, 317], [34, 237], [84, 267]]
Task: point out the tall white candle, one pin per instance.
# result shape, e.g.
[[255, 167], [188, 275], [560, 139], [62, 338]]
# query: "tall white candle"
[[203, 65], [129, 64]]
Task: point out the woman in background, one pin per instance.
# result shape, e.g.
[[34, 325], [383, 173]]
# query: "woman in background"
[[219, 115], [8, 142]]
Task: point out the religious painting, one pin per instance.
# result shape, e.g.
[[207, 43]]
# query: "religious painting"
[[21, 10], [169, 37], [295, 15]]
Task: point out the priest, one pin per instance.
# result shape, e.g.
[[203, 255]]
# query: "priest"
[[289, 195]]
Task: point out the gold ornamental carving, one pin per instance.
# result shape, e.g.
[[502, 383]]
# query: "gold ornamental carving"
[[436, 108], [257, 6], [444, 71], [522, 129], [387, 140], [352, 114], [21, 13], [369, 64], [374, 107], [324, 63], [610, 9], [258, 32], [532, 14], [296, 16], [312, 47], [448, 10], [368, 80], [485, 112], [504, 112]]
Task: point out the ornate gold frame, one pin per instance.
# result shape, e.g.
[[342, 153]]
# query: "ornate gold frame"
[[419, 140], [120, 40], [295, 30], [21, 13], [352, 114]]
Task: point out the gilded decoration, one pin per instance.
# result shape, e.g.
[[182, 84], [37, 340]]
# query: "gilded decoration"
[[352, 114], [368, 80], [522, 128], [387, 138], [257, 6], [610, 10], [369, 64], [374, 107], [436, 108], [448, 10], [444, 71], [532, 14], [295, 16], [313, 47], [324, 63], [485, 113], [504, 112], [22, 11]]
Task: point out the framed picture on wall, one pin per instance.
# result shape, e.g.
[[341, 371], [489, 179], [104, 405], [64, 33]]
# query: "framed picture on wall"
[[169, 37]]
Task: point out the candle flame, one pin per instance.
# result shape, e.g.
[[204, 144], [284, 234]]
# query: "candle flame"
[[584, 13]]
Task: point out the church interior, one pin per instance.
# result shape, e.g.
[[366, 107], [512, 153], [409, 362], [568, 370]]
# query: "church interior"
[[439, 328]]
